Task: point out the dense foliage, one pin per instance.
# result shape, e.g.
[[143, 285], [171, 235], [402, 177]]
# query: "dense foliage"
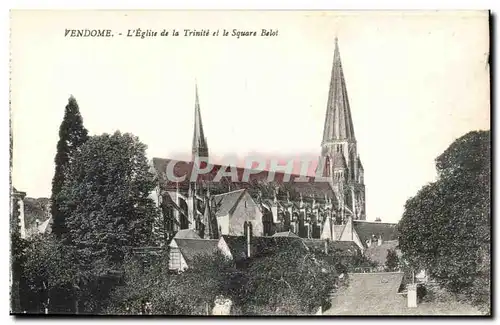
[[47, 276], [17, 246], [284, 281], [107, 202], [105, 198], [392, 260], [72, 134], [446, 226]]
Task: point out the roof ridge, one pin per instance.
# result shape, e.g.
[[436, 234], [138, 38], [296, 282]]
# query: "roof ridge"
[[241, 189], [376, 222]]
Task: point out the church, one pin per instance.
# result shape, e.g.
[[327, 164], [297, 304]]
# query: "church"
[[315, 210]]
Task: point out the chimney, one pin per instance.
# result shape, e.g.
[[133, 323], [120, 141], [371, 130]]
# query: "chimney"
[[412, 295], [248, 234], [37, 223], [379, 240]]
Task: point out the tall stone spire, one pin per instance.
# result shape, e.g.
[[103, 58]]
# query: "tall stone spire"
[[338, 120], [339, 146], [200, 147]]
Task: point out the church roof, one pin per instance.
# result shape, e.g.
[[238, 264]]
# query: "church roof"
[[200, 146], [366, 229], [184, 169], [338, 120], [227, 202]]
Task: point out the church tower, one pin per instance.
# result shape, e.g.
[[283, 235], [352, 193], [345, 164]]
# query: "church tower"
[[199, 159], [200, 147], [339, 148]]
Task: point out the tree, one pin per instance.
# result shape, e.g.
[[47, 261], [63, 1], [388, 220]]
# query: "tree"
[[107, 204], [392, 260], [107, 197], [72, 135], [47, 274], [288, 280], [17, 247], [446, 227]]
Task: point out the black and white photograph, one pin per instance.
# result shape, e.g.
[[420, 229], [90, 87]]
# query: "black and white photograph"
[[250, 163]]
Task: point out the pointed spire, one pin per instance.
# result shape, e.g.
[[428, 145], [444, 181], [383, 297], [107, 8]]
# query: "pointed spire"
[[200, 147], [338, 120]]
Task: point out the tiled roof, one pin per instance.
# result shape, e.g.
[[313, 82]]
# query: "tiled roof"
[[366, 229], [190, 248], [377, 253], [369, 294], [260, 246], [227, 202], [187, 234]]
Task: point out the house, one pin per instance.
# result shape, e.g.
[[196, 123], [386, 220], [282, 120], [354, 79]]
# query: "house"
[[183, 251], [370, 294], [232, 209]]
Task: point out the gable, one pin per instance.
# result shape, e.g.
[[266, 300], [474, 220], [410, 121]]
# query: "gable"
[[245, 210], [226, 203]]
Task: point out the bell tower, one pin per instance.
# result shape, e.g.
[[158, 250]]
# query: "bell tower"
[[339, 146]]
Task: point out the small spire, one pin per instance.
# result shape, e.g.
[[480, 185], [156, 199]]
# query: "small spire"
[[200, 147]]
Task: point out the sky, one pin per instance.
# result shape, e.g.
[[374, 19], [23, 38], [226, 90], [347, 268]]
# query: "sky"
[[416, 81]]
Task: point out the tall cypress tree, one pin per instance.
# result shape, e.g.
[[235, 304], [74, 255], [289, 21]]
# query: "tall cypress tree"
[[72, 134]]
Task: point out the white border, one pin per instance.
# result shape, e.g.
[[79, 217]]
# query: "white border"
[[159, 4]]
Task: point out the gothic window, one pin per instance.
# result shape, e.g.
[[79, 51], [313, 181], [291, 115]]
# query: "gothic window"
[[183, 217]]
